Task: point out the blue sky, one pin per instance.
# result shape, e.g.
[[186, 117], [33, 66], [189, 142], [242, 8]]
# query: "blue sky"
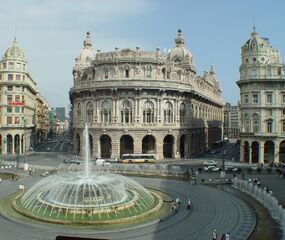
[[51, 34]]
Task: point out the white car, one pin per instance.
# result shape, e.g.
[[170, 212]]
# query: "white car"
[[101, 162], [210, 163], [211, 169]]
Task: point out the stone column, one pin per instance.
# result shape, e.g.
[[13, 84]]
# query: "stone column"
[[241, 156], [250, 153], [159, 149], [261, 152], [276, 151], [137, 145], [115, 146]]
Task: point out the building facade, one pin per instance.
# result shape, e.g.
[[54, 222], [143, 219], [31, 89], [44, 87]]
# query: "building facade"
[[60, 113], [262, 102], [18, 93], [42, 116], [138, 101], [231, 121]]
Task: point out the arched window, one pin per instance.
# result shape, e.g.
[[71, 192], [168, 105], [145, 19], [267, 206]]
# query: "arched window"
[[168, 113], [106, 72], [255, 123], [148, 112], [283, 126], [127, 71], [105, 112], [182, 113], [89, 112], [163, 73], [126, 112]]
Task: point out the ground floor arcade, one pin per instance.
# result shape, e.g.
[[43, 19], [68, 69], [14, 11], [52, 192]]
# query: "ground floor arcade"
[[262, 150], [163, 143]]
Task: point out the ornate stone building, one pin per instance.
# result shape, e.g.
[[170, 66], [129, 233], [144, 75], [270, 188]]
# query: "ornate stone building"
[[231, 121], [18, 93], [138, 101], [262, 104]]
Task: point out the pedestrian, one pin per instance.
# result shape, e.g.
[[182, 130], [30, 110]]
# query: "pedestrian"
[[223, 237], [214, 235], [188, 203], [177, 201], [227, 236]]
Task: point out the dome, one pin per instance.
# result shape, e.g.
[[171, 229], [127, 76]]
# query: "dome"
[[14, 52], [180, 52], [87, 54], [256, 42]]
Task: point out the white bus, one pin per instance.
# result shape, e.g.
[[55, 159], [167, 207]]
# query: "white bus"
[[138, 158]]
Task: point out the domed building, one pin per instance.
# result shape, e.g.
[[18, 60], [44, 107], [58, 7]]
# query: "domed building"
[[262, 103], [19, 99], [138, 102]]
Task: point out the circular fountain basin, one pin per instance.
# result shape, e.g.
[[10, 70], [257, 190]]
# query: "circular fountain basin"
[[98, 198]]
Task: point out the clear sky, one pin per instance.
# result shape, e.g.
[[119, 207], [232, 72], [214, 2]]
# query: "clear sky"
[[51, 34]]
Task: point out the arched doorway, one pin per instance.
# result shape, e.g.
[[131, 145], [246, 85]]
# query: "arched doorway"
[[255, 152], [126, 145], [182, 146], [282, 152], [77, 144], [17, 144], [246, 152], [106, 146], [90, 145], [9, 144], [168, 146], [148, 144], [268, 152]]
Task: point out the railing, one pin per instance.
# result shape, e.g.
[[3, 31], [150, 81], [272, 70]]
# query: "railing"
[[266, 199]]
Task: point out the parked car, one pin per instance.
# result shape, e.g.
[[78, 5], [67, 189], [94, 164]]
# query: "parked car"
[[75, 161], [256, 167], [211, 168], [112, 160], [210, 163], [229, 168]]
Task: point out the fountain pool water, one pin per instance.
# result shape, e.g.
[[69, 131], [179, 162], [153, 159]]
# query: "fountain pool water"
[[87, 197]]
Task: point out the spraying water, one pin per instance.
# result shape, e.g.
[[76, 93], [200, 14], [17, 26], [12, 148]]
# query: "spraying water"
[[86, 151]]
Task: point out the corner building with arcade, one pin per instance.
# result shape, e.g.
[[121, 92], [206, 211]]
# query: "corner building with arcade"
[[138, 101]]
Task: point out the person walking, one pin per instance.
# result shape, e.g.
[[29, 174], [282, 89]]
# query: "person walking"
[[214, 235], [188, 203], [177, 201]]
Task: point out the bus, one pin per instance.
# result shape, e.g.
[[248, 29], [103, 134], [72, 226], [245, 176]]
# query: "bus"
[[138, 158], [218, 144]]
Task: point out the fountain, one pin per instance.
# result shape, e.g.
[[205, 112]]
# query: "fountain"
[[87, 197]]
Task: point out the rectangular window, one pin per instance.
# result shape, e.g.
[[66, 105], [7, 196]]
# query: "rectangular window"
[[254, 72], [269, 98], [283, 127], [17, 98], [17, 110], [245, 98], [4, 65], [268, 71], [9, 88], [9, 98], [9, 110], [18, 88], [10, 77], [24, 67], [11, 66], [9, 120], [18, 77], [283, 98], [255, 98], [18, 66], [17, 120], [283, 112], [269, 127], [0, 76]]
